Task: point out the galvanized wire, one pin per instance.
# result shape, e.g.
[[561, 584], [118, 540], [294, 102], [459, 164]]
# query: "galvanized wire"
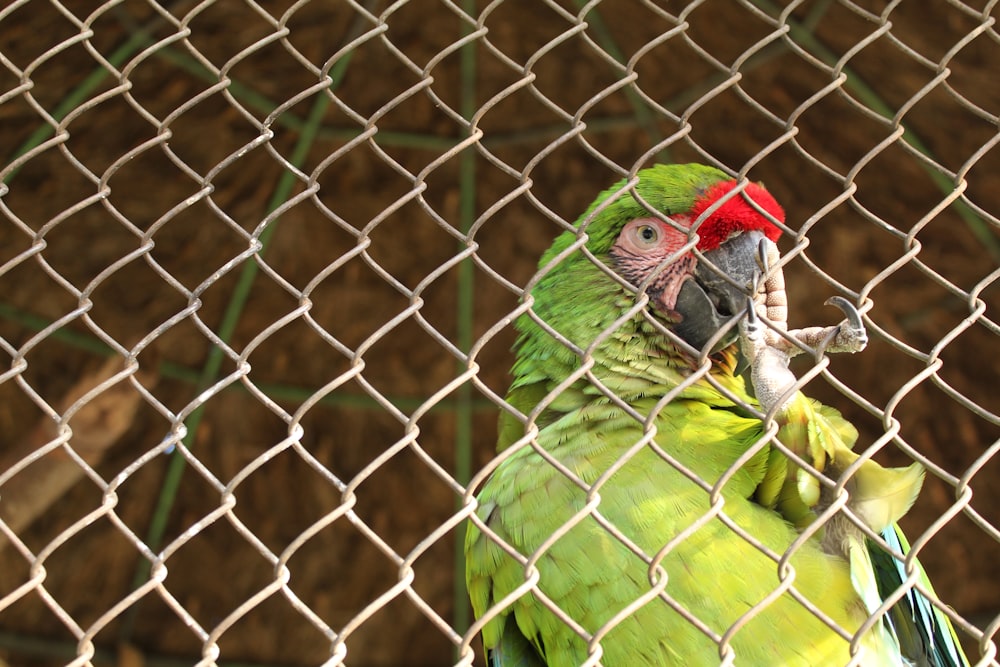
[[357, 123]]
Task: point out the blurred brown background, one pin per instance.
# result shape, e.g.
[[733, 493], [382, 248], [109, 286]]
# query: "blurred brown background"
[[145, 146]]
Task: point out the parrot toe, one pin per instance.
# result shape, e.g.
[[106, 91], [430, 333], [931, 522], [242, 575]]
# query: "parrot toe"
[[851, 336]]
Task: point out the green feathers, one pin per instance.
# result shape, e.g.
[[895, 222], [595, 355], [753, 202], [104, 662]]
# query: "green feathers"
[[668, 189], [543, 361], [644, 517], [615, 506], [817, 433]]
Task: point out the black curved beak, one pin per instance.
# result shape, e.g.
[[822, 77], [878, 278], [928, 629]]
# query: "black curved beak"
[[711, 301]]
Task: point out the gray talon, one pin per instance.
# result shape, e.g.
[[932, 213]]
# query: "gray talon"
[[762, 255], [848, 309], [854, 338], [753, 328]]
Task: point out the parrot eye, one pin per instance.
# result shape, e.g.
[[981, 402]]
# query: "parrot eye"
[[644, 235], [648, 237]]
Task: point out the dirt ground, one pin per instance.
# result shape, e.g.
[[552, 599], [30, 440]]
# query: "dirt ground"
[[932, 365]]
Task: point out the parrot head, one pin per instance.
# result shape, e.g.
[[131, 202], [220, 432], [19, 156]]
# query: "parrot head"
[[648, 239]]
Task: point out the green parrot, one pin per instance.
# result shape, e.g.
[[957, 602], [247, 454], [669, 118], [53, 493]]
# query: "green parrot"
[[640, 512]]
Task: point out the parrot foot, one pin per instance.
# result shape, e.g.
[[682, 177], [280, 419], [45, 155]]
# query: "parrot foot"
[[772, 381], [849, 336], [769, 351]]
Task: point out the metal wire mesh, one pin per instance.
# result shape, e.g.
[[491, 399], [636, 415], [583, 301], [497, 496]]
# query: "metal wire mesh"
[[259, 263]]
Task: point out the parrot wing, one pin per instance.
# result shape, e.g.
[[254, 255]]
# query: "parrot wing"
[[925, 633], [879, 496], [592, 574], [513, 649]]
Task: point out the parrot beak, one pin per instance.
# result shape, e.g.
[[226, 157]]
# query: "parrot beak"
[[712, 299]]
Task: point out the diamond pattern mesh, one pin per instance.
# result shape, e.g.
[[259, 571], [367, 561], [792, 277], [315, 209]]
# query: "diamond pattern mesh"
[[259, 262]]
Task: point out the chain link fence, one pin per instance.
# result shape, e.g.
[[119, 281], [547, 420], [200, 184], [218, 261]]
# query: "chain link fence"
[[258, 263]]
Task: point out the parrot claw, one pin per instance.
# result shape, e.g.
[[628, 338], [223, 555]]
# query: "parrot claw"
[[762, 256], [850, 338], [759, 276], [752, 329]]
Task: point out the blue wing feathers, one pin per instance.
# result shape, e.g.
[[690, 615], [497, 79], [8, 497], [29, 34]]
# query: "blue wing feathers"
[[925, 633], [514, 649]]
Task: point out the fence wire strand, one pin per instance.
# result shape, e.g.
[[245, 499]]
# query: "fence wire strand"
[[260, 264]]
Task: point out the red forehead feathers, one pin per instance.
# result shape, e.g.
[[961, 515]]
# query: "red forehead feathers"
[[736, 214]]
